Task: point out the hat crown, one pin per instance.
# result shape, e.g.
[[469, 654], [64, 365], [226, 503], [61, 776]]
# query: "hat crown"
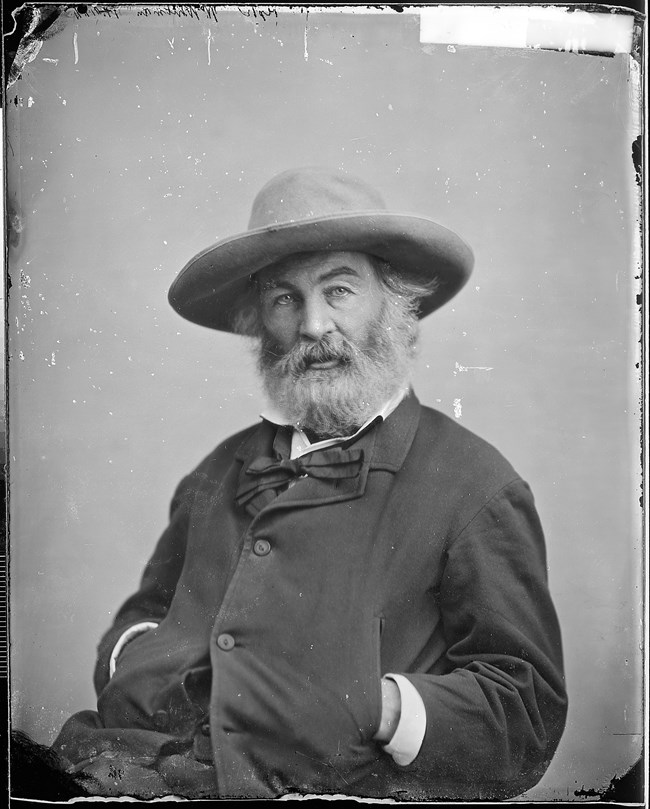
[[311, 193]]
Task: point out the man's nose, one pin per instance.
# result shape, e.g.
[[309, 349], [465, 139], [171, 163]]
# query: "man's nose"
[[316, 319]]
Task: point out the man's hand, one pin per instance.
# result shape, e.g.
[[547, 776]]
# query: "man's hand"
[[391, 707]]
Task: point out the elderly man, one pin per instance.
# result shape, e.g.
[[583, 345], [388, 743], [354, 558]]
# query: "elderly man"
[[351, 595]]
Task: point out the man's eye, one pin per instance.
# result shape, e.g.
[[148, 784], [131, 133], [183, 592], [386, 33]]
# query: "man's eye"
[[283, 300], [338, 292]]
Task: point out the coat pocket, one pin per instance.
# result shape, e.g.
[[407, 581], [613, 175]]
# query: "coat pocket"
[[366, 706]]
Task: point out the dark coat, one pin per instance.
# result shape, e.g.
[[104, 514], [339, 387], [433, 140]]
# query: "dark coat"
[[431, 564]]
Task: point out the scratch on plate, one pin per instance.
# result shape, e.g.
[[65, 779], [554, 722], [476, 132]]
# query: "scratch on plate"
[[306, 54], [209, 39], [458, 408], [76, 48], [461, 368]]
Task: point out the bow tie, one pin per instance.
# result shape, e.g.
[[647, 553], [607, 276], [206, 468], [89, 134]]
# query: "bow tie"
[[272, 473]]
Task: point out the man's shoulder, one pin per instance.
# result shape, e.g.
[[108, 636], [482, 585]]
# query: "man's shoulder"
[[218, 460], [462, 451], [229, 447]]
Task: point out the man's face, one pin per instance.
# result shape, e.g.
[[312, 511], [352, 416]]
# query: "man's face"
[[335, 344], [311, 295]]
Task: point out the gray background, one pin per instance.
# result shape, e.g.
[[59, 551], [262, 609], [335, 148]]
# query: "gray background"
[[135, 141]]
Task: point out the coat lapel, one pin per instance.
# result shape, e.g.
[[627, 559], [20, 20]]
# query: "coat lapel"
[[385, 446]]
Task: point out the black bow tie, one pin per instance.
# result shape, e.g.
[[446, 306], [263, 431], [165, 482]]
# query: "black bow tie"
[[272, 473]]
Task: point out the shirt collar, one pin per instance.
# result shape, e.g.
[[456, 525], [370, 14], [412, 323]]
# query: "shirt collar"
[[300, 444]]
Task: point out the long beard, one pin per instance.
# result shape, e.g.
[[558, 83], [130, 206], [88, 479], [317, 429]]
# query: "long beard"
[[337, 401]]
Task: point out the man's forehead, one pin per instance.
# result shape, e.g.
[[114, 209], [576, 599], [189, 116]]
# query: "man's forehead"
[[326, 262]]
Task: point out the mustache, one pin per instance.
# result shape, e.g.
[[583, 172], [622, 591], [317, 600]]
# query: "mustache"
[[301, 356]]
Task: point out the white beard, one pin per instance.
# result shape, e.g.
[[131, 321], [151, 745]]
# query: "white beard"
[[336, 402]]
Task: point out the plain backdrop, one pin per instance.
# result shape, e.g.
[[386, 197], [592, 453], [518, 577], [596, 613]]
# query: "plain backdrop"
[[137, 138]]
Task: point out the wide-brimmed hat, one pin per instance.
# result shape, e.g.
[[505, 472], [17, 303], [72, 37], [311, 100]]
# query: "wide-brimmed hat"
[[314, 209]]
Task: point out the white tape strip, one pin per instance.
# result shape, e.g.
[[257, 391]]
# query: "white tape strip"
[[555, 28]]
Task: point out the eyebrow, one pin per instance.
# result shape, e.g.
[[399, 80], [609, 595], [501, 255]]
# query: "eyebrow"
[[335, 272]]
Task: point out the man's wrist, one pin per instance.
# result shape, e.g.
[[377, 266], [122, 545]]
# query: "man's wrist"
[[391, 708]]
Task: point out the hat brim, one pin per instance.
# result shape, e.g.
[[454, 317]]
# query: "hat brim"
[[214, 283]]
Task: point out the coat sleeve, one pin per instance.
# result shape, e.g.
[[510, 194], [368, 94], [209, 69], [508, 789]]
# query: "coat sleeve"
[[158, 583], [495, 719]]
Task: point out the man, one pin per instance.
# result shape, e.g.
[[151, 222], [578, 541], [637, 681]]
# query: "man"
[[351, 595]]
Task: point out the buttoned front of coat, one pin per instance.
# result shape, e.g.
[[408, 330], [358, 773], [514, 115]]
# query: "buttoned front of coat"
[[275, 629]]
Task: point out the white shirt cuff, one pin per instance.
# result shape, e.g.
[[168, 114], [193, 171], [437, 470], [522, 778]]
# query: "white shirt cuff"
[[125, 637], [411, 727]]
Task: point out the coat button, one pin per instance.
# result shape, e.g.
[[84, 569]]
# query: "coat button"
[[205, 729], [262, 547], [226, 642], [161, 719]]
